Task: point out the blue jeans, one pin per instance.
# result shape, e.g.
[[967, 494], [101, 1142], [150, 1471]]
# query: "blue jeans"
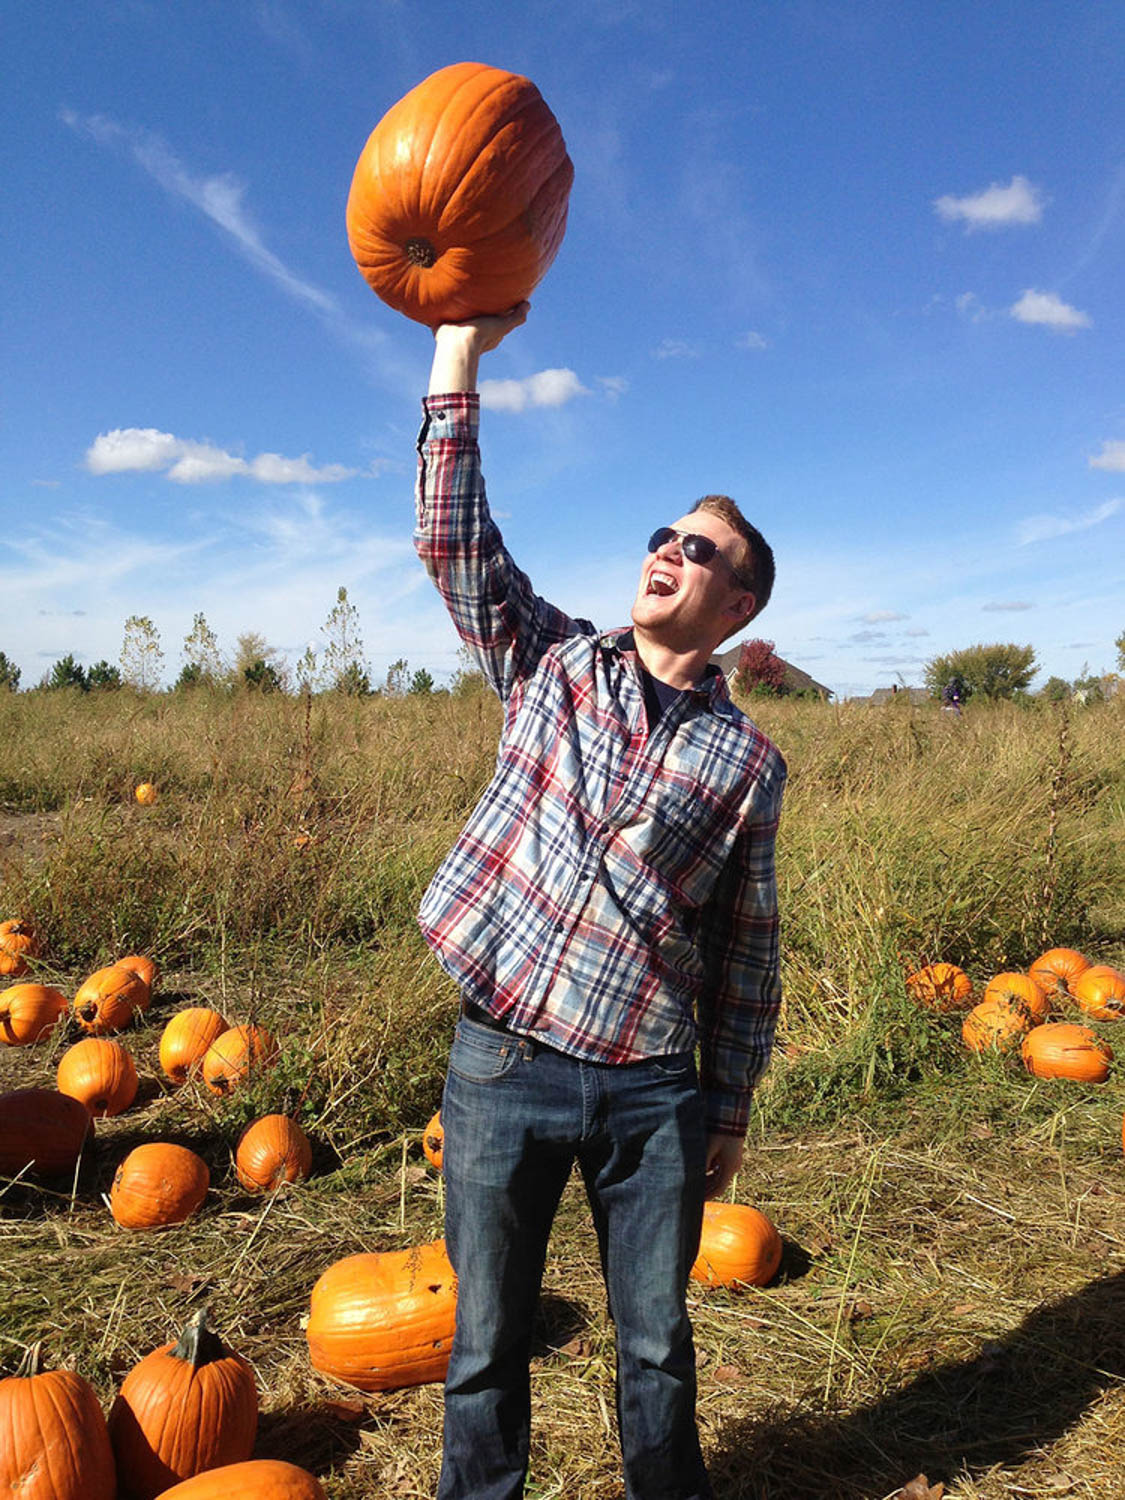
[[516, 1116]]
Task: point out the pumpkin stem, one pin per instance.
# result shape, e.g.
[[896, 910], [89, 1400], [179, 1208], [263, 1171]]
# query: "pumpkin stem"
[[199, 1345], [31, 1363], [419, 252]]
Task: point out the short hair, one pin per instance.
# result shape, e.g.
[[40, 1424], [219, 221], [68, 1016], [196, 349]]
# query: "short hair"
[[756, 563]]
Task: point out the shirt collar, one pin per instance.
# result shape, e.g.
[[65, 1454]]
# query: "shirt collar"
[[711, 689]]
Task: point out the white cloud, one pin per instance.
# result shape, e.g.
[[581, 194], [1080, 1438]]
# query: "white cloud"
[[614, 386], [969, 306], [147, 450], [1112, 457], [752, 340], [547, 388], [1046, 528], [676, 349], [919, 630], [882, 616], [1007, 606], [995, 207], [1049, 310]]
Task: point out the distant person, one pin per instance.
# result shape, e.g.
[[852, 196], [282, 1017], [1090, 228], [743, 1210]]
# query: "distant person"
[[951, 697], [610, 902]]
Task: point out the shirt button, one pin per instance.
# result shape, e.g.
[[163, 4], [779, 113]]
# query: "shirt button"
[[439, 416]]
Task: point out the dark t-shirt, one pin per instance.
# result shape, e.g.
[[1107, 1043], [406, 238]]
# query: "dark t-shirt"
[[658, 696]]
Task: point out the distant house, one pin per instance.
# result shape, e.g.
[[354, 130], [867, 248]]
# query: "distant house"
[[796, 681], [893, 694]]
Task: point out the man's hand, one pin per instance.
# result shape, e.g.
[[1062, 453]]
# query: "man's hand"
[[459, 346], [724, 1157]]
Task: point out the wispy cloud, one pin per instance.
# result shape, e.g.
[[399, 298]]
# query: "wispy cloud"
[[1007, 606], [995, 207], [219, 197], [1046, 528], [1050, 311], [613, 386], [147, 450], [882, 616], [752, 340], [547, 388], [676, 349], [1111, 457]]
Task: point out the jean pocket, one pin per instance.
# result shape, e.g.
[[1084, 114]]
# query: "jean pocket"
[[481, 1055], [674, 1065]]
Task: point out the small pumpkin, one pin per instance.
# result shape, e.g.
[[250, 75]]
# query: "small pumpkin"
[[158, 1183], [145, 970], [235, 1055], [997, 1024], [109, 999], [1019, 989], [29, 1012], [186, 1038], [1061, 1049], [458, 202], [257, 1479], [43, 1131], [189, 1406], [941, 986], [272, 1151], [433, 1141], [737, 1244], [146, 793], [383, 1320], [55, 1444], [1056, 971], [18, 943], [99, 1072], [1100, 992]]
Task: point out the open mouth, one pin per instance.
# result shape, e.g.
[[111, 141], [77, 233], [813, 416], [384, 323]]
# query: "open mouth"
[[662, 584]]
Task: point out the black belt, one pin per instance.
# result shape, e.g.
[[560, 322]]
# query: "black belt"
[[475, 1013]]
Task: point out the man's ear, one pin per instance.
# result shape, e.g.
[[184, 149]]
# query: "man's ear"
[[743, 606]]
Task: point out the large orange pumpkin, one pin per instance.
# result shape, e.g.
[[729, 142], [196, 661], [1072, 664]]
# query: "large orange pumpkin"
[[997, 1024], [99, 1072], [158, 1183], [18, 943], [1063, 1050], [109, 999], [738, 1244], [433, 1141], [188, 1406], [1100, 991], [257, 1479], [1056, 971], [941, 987], [235, 1055], [458, 202], [54, 1445], [145, 970], [1019, 989], [381, 1321], [42, 1130], [186, 1038], [272, 1151], [29, 1012]]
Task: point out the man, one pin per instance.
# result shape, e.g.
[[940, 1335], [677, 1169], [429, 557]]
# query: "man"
[[613, 887]]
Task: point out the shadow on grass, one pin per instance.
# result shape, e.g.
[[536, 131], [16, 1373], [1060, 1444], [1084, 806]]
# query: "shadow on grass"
[[1013, 1399]]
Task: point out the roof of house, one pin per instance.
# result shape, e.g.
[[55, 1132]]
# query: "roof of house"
[[795, 679]]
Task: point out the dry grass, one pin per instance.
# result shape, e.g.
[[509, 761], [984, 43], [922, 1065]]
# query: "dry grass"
[[952, 1299]]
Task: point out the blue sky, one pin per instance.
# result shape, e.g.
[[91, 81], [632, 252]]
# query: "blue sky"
[[857, 265]]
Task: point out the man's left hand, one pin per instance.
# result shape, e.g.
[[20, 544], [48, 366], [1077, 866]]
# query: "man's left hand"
[[724, 1157]]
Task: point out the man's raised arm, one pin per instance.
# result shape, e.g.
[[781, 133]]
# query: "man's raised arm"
[[459, 346]]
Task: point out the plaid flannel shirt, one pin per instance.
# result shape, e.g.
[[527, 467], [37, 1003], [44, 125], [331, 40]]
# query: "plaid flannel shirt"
[[613, 887]]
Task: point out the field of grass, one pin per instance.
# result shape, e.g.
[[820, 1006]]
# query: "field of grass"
[[952, 1297]]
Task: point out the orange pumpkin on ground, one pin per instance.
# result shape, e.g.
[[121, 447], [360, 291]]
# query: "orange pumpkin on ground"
[[257, 1479], [100, 1073], [189, 1406], [146, 794], [235, 1055], [109, 999], [1061, 1049], [18, 943], [1056, 971], [55, 1444], [43, 1131], [272, 1151], [997, 1024], [29, 1012], [738, 1244], [1019, 989], [145, 970], [186, 1038], [941, 987], [384, 1320], [433, 1141], [158, 1183], [458, 202], [1100, 992]]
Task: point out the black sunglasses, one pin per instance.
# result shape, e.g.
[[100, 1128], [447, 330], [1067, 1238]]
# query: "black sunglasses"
[[696, 548]]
